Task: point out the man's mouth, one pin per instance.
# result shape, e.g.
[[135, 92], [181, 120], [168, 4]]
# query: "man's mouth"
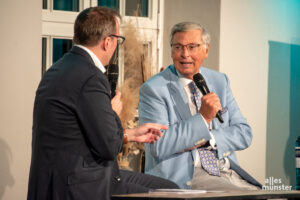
[[186, 63]]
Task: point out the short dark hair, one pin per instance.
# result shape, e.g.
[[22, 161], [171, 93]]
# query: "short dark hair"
[[93, 24]]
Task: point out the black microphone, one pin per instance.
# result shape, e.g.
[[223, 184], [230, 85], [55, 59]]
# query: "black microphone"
[[201, 84], [112, 76]]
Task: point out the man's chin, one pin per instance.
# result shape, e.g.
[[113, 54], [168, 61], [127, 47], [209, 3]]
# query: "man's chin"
[[187, 74]]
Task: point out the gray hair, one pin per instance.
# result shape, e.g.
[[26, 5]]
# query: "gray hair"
[[188, 26]]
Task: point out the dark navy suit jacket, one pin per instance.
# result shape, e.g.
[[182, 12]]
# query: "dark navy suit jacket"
[[76, 134]]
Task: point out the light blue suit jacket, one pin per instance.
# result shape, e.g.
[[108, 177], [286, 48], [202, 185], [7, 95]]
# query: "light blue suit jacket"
[[163, 100]]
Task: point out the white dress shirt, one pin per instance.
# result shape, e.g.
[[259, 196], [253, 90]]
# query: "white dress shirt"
[[185, 84], [96, 60]]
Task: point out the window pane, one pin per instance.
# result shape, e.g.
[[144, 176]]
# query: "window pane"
[[137, 8], [114, 4], [66, 5], [44, 52], [60, 47], [44, 4]]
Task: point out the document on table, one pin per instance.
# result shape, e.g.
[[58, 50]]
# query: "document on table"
[[177, 191], [183, 191]]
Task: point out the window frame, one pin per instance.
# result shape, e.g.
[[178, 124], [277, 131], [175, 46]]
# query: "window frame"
[[49, 49], [60, 24], [149, 22]]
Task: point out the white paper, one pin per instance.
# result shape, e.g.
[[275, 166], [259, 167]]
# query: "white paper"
[[178, 191]]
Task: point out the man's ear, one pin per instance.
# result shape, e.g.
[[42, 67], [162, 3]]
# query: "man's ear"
[[106, 43], [206, 49]]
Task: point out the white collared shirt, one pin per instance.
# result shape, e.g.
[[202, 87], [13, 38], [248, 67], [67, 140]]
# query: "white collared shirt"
[[96, 60], [185, 84]]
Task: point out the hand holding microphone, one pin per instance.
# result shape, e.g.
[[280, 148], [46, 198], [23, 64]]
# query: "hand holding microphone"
[[211, 106]]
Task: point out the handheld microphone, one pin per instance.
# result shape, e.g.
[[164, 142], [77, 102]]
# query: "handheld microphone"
[[201, 84], [112, 76]]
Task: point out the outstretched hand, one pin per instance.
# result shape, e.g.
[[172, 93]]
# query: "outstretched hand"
[[145, 133]]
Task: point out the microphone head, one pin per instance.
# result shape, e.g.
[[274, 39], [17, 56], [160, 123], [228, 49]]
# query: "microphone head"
[[198, 78], [201, 84]]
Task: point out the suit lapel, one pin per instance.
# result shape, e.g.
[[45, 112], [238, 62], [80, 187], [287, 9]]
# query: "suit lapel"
[[177, 94]]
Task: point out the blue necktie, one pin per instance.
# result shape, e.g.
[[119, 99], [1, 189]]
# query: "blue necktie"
[[208, 158]]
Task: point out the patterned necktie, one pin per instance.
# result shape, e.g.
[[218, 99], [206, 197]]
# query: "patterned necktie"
[[195, 95], [208, 158]]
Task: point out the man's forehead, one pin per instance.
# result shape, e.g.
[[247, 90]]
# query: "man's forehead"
[[188, 35], [189, 32]]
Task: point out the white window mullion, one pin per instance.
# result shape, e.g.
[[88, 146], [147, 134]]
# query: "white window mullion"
[[160, 24], [93, 3], [122, 8], [50, 50]]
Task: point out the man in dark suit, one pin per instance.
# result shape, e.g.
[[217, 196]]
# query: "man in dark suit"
[[76, 132]]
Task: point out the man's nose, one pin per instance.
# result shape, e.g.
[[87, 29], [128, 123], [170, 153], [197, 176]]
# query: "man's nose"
[[185, 52]]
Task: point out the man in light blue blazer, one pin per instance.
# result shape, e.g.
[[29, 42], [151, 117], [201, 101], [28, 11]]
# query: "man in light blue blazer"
[[167, 98]]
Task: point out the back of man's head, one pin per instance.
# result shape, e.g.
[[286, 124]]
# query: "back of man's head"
[[93, 24]]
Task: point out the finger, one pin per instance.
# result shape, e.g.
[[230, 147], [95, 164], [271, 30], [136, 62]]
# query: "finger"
[[211, 95], [157, 126], [156, 132], [156, 138], [212, 101], [151, 138]]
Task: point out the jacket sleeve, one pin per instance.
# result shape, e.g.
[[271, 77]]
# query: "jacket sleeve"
[[235, 134], [100, 124], [155, 106]]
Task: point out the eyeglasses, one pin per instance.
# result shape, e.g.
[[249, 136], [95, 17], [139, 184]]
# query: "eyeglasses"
[[192, 48], [120, 39]]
